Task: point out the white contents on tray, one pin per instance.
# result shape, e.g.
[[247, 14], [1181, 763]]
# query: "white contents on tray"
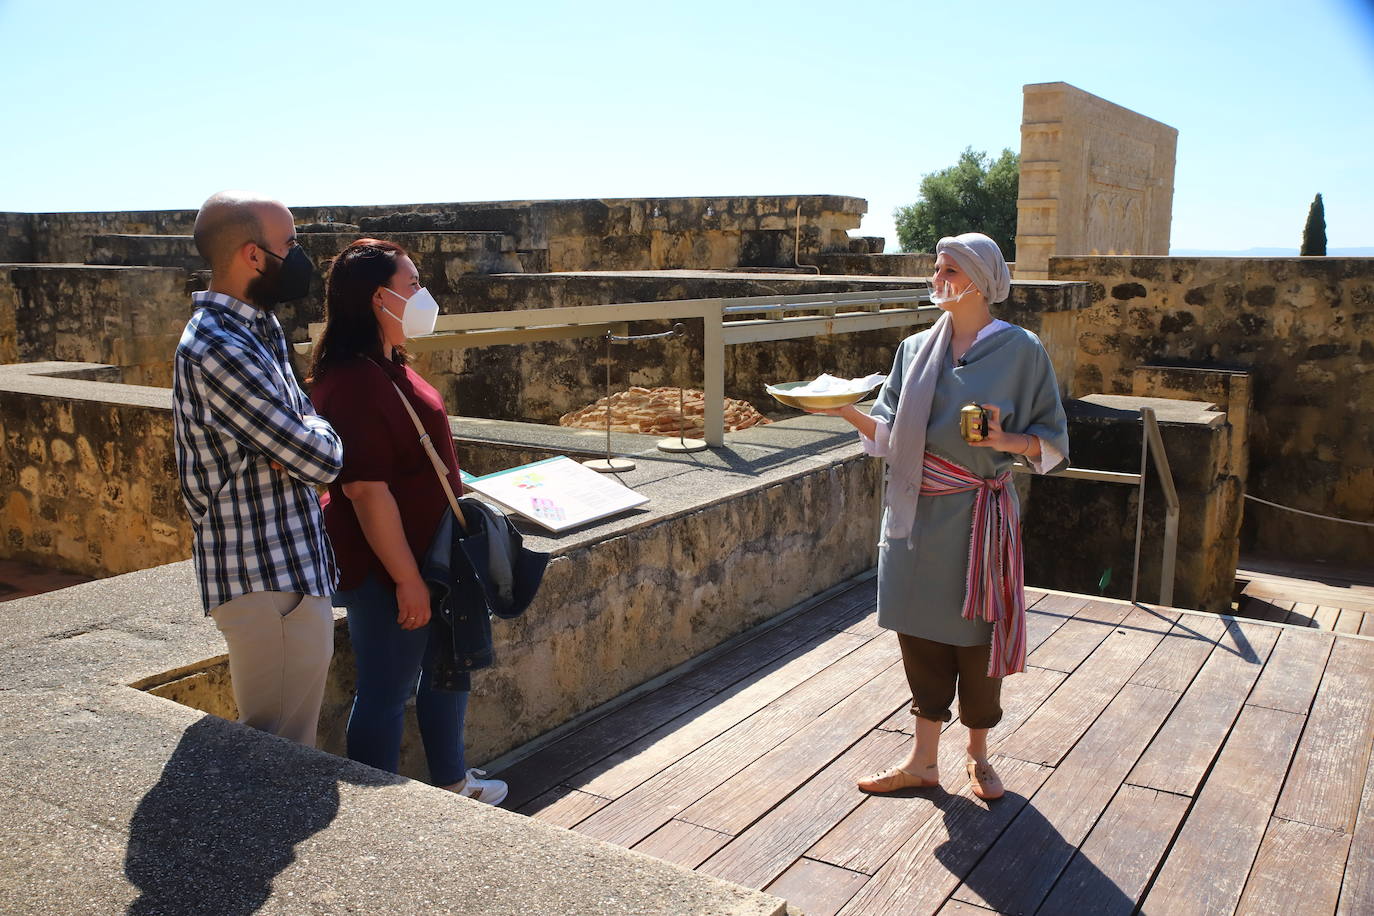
[[830, 384]]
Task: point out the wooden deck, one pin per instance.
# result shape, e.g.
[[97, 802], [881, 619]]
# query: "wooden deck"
[[1176, 761], [1337, 600]]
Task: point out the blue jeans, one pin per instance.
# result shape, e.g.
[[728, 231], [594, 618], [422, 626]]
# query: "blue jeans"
[[390, 660]]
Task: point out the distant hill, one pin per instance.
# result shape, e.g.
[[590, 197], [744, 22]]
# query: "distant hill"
[[1267, 253]]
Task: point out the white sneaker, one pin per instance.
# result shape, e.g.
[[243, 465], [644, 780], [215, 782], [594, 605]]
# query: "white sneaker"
[[487, 791]]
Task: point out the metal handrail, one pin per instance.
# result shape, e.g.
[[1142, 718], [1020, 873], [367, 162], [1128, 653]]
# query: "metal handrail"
[[1151, 449], [894, 308], [1153, 443]]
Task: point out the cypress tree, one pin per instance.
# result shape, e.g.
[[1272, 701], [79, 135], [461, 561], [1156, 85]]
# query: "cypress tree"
[[1314, 233]]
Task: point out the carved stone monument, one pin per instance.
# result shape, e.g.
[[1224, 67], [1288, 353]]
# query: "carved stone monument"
[[1096, 178]]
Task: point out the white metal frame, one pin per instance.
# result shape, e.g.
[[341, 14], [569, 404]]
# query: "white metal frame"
[[822, 313], [1151, 448]]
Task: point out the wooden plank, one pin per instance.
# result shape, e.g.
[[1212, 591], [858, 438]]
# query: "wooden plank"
[[816, 888], [1324, 616], [1066, 604], [1050, 733], [869, 836], [1206, 868], [1311, 594], [663, 796], [1041, 624], [1367, 625], [1328, 774], [782, 640], [1020, 869], [1274, 609], [900, 721], [1111, 869], [627, 768], [563, 807], [1293, 672], [1303, 615], [1073, 642], [1298, 870], [764, 851], [750, 793], [867, 626], [1176, 660], [573, 753], [1357, 892], [1178, 757], [1349, 621], [682, 843], [928, 867], [1269, 567], [960, 908]]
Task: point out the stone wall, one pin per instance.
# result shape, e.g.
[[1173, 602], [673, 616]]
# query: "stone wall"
[[913, 264], [1303, 328], [593, 234], [16, 238], [1096, 178], [87, 474], [130, 317]]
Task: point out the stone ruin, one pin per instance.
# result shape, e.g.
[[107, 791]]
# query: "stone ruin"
[[1096, 179], [1256, 367]]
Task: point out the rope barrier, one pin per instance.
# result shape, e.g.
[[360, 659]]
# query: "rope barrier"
[[1329, 518]]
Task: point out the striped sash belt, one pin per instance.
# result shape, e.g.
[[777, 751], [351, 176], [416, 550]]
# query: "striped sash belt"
[[994, 590]]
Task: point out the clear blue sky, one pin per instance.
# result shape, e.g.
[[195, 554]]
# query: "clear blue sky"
[[149, 105]]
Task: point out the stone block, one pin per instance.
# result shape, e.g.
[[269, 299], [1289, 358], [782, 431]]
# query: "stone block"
[[145, 251], [879, 265], [66, 509], [1095, 178]]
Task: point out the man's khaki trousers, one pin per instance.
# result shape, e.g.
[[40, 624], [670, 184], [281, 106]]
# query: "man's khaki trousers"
[[280, 644]]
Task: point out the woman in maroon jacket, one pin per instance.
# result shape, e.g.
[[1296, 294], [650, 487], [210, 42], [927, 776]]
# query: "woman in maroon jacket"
[[382, 511]]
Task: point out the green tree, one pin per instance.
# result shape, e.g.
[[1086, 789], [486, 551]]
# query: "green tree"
[[972, 195], [1314, 233]]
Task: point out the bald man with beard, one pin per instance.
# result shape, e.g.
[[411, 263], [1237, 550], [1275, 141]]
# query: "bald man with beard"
[[250, 452]]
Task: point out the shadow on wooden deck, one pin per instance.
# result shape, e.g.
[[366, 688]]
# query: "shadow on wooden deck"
[[1179, 761]]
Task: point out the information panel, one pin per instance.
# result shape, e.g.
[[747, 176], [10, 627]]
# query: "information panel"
[[557, 493]]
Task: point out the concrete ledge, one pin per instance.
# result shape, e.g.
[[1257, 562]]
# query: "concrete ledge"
[[115, 800]]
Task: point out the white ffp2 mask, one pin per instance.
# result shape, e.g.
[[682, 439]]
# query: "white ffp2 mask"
[[420, 314]]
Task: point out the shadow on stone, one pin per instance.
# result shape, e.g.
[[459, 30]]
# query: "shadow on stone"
[[225, 817]]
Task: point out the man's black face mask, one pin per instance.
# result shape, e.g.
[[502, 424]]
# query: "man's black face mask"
[[288, 281]]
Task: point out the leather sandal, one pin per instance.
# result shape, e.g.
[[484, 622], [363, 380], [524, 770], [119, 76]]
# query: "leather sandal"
[[987, 785], [895, 779]]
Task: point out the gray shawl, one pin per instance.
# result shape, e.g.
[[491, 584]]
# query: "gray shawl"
[[907, 436]]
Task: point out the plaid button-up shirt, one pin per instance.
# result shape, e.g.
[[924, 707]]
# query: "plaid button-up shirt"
[[237, 408]]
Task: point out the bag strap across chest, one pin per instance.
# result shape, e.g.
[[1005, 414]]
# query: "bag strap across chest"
[[440, 469]]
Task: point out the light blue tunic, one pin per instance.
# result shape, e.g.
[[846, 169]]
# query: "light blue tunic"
[[921, 589]]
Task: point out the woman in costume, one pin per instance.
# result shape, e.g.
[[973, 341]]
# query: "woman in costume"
[[384, 508], [949, 565]]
